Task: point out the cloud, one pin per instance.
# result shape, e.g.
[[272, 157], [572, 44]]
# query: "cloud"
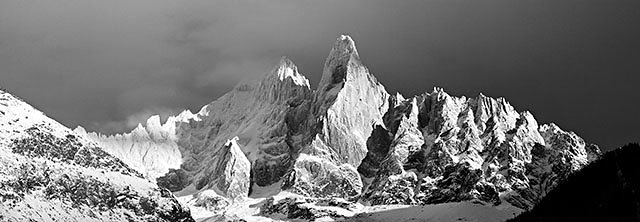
[[84, 62], [131, 121]]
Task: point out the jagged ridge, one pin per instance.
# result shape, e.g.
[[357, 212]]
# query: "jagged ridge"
[[350, 138]]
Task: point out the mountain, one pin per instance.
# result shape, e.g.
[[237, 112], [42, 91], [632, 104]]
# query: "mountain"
[[447, 149], [50, 173], [352, 140], [606, 190]]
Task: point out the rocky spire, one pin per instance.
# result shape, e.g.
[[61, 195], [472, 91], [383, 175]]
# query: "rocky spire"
[[348, 105], [342, 54], [350, 100], [232, 174], [343, 49]]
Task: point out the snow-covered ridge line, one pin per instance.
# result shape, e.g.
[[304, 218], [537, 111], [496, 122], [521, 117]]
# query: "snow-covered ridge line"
[[16, 116], [154, 148], [149, 148], [50, 173], [350, 138], [287, 69]]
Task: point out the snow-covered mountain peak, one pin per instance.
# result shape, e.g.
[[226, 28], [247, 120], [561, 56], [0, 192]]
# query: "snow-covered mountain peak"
[[287, 69], [350, 138], [342, 57], [344, 46], [281, 84]]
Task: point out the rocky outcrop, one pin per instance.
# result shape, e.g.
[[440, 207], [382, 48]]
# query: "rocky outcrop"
[[174, 180], [318, 177], [306, 208], [231, 174], [211, 201]]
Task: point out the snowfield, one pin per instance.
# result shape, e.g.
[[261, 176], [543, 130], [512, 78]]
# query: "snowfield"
[[250, 210]]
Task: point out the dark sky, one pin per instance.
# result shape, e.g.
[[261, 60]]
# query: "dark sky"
[[107, 65]]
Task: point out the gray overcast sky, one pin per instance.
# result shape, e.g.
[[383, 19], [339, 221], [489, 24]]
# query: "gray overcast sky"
[[109, 64]]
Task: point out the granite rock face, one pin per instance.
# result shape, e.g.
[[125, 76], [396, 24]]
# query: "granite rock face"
[[340, 120], [231, 175], [449, 149], [349, 102], [350, 138]]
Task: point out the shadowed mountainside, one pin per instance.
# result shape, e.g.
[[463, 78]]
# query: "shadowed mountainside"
[[606, 190]]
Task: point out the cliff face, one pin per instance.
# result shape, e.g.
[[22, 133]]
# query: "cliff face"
[[232, 172], [340, 118], [350, 138], [439, 148]]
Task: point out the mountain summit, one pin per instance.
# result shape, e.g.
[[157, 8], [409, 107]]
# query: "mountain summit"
[[323, 152], [287, 70], [349, 138], [342, 54]]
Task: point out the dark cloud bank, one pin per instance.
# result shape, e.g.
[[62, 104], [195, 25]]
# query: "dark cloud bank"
[[109, 64]]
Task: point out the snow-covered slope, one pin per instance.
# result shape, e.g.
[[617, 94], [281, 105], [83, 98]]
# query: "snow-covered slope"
[[445, 212], [16, 116], [151, 149], [351, 139], [292, 207], [49, 173]]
